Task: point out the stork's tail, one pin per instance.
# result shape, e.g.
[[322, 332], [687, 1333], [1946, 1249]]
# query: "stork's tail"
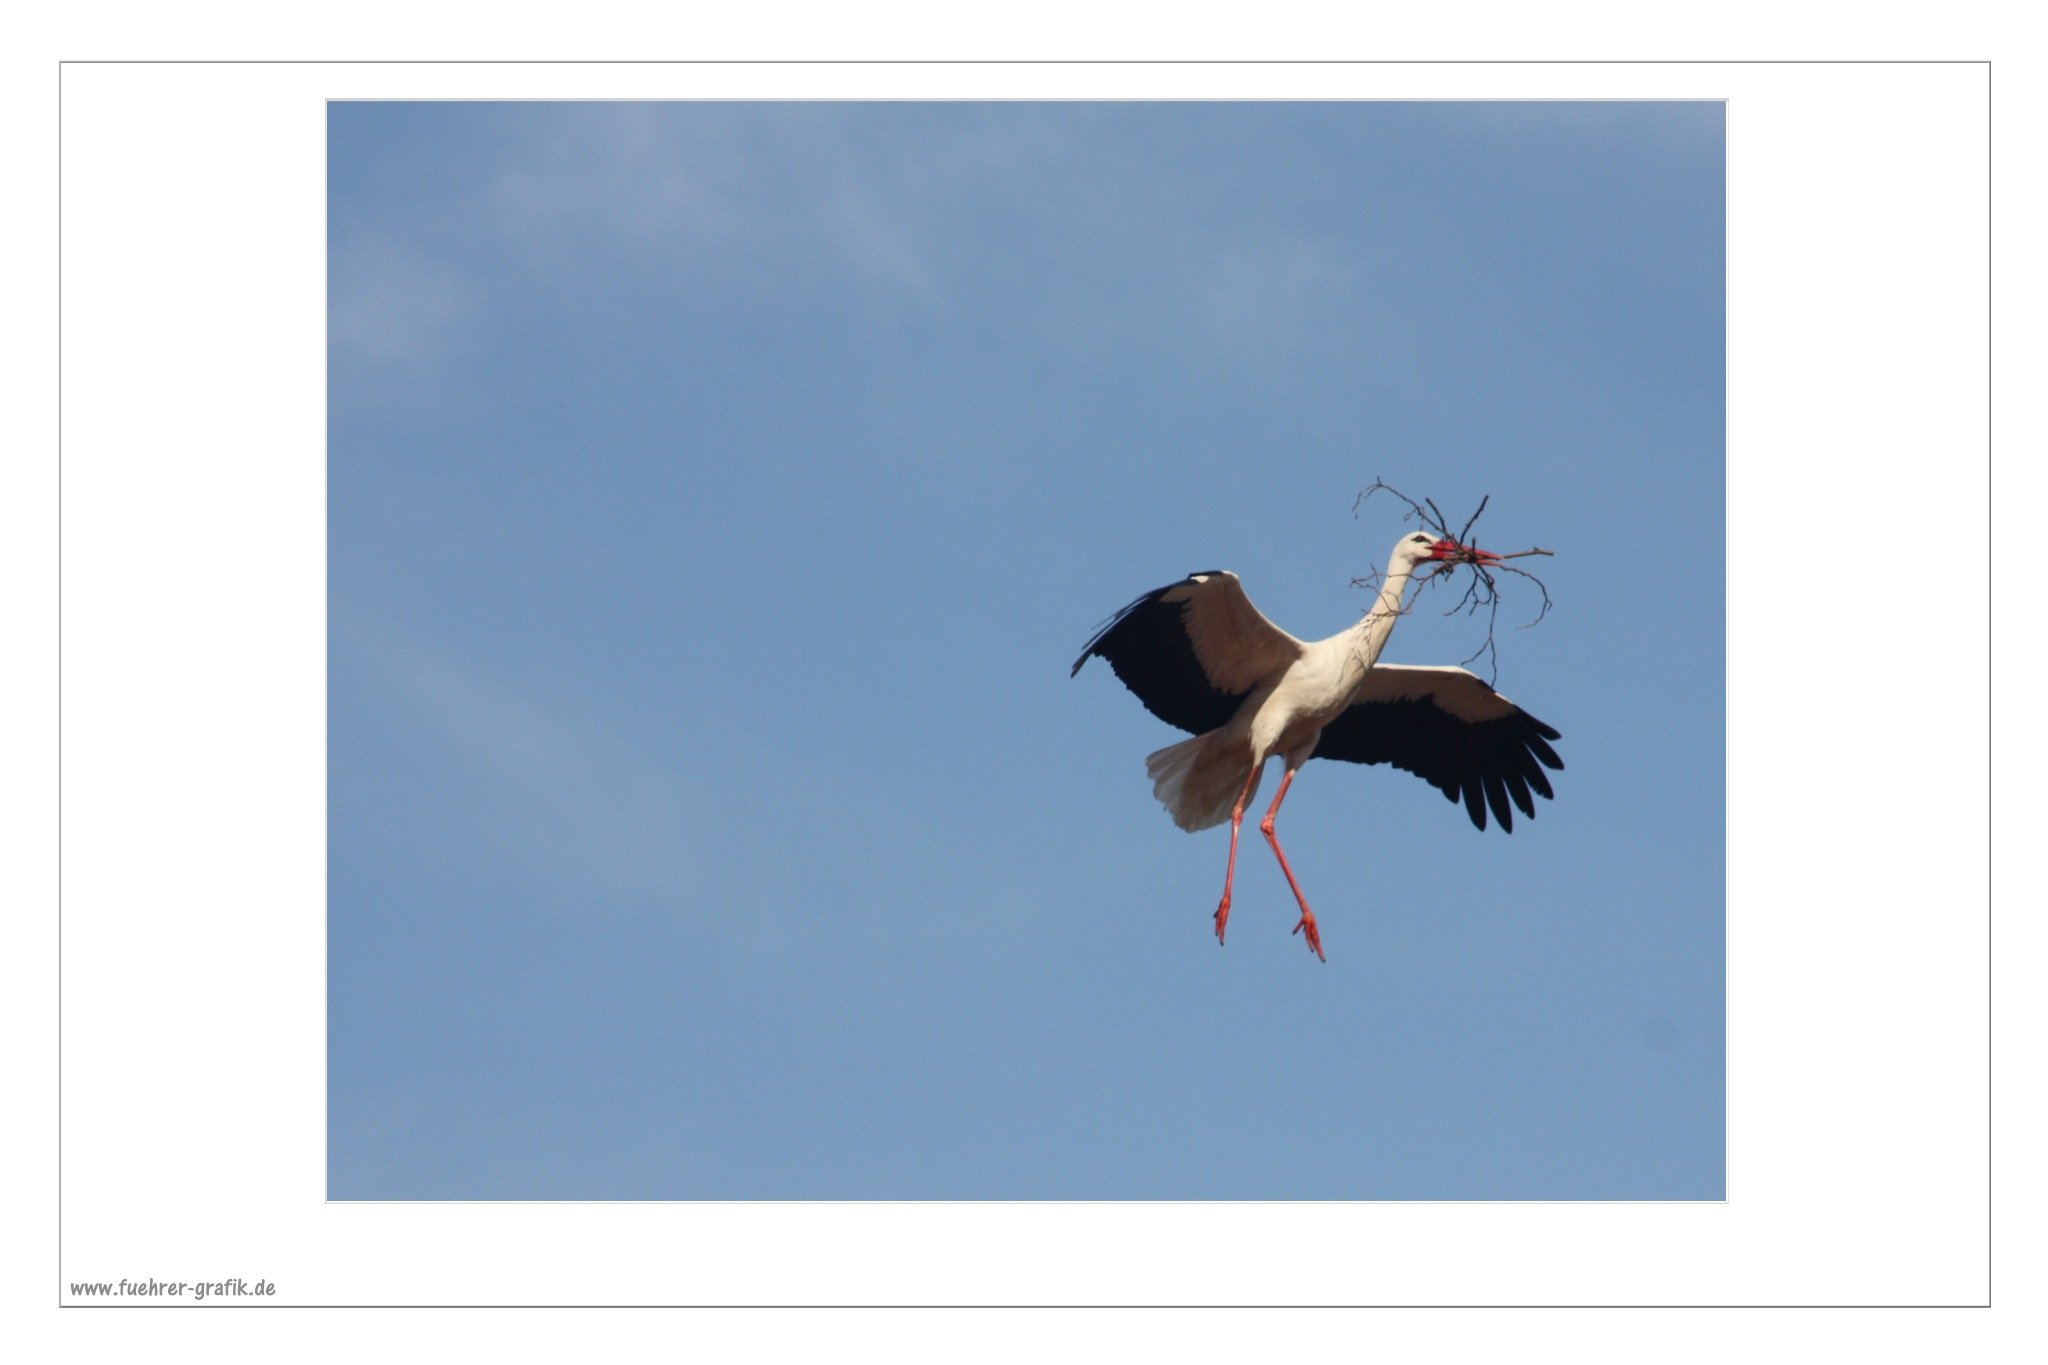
[[1198, 779]]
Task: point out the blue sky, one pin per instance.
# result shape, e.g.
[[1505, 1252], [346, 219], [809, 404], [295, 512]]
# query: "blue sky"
[[718, 496]]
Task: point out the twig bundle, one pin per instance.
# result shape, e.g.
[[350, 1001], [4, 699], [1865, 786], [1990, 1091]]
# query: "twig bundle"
[[1481, 590]]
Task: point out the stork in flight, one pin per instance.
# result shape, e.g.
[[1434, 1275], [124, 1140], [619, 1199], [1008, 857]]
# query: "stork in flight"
[[1201, 657]]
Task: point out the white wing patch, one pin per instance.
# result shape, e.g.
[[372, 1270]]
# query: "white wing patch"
[[1236, 645], [1454, 691]]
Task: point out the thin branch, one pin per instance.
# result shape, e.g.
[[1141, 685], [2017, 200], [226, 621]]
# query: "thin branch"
[[1467, 527]]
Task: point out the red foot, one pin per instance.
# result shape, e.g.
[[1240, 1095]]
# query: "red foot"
[[1222, 918], [1315, 940]]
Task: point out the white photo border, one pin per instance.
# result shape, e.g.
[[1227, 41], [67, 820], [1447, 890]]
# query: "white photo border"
[[193, 934]]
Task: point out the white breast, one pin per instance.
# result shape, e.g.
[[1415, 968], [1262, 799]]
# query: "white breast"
[[1313, 691]]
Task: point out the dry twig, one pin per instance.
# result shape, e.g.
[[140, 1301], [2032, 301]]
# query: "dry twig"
[[1481, 591]]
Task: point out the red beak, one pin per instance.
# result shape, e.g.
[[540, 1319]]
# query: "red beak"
[[1453, 551]]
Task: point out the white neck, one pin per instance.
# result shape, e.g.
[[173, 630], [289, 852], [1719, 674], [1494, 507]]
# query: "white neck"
[[1369, 636]]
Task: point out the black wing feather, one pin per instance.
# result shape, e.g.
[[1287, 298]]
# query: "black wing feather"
[[1485, 763], [1148, 647]]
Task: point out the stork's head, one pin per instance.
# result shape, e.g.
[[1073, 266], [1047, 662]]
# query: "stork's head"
[[1424, 548]]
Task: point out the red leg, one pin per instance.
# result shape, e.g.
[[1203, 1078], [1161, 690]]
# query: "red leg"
[[1230, 868], [1308, 920]]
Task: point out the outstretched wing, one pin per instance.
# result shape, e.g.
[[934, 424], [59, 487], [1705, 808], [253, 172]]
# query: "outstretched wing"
[[1453, 731], [1192, 650]]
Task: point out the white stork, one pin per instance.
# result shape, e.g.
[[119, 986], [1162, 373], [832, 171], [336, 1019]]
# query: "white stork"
[[1201, 657]]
